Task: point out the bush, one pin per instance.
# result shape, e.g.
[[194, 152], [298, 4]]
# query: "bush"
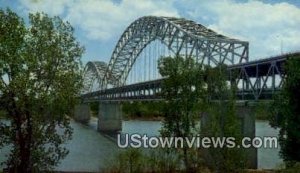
[[262, 110], [137, 160], [2, 114], [285, 113], [142, 109], [293, 169], [153, 160], [94, 106]]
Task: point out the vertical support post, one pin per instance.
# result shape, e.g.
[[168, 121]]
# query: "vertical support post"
[[245, 113], [82, 113], [273, 78], [110, 117]]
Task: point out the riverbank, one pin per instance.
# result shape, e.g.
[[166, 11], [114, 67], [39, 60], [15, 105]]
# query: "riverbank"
[[136, 118], [148, 118], [246, 171], [259, 117]]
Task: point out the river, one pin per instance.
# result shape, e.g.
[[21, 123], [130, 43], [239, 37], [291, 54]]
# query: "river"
[[91, 151]]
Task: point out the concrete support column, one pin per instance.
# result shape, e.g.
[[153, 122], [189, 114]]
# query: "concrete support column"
[[247, 120], [82, 113], [110, 117], [247, 117]]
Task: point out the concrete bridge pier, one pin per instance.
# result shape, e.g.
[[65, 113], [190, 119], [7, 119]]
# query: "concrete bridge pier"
[[110, 117], [82, 113], [246, 116]]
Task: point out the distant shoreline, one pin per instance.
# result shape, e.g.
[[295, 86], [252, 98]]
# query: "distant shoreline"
[[160, 118], [144, 118]]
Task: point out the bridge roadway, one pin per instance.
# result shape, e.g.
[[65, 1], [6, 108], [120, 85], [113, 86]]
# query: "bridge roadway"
[[257, 80]]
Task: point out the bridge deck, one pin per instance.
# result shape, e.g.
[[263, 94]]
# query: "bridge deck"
[[259, 79]]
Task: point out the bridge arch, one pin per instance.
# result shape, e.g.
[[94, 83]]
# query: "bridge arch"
[[94, 71], [181, 36]]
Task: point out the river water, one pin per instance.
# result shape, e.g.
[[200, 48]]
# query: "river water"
[[267, 158], [92, 151]]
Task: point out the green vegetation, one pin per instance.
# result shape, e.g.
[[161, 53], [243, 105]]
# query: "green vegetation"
[[94, 107], [183, 90], [135, 110], [152, 160], [286, 113], [144, 110], [2, 114], [190, 91], [262, 110], [222, 121], [291, 169], [40, 77]]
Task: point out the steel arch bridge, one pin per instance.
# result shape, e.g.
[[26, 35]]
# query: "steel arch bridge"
[[181, 36], [256, 80], [94, 71]]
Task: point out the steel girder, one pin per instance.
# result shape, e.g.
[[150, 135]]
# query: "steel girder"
[[260, 79], [149, 90], [184, 37], [93, 72]]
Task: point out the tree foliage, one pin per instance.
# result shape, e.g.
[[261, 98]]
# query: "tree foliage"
[[136, 160], [143, 109], [184, 90], [191, 90], [223, 121], [40, 77], [286, 112]]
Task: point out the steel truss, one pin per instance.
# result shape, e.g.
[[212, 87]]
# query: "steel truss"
[[257, 80], [93, 72], [181, 36], [184, 37]]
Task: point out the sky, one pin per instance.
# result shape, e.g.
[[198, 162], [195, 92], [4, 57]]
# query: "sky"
[[271, 27]]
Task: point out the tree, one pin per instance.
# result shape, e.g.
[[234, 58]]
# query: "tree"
[[286, 112], [184, 90], [40, 77], [223, 121]]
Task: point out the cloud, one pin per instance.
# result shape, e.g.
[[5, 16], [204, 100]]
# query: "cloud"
[[52, 7], [268, 27], [101, 19]]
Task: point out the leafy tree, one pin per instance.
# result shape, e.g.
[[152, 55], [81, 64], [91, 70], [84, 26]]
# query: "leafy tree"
[[223, 121], [40, 77], [191, 89], [184, 90], [286, 113]]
